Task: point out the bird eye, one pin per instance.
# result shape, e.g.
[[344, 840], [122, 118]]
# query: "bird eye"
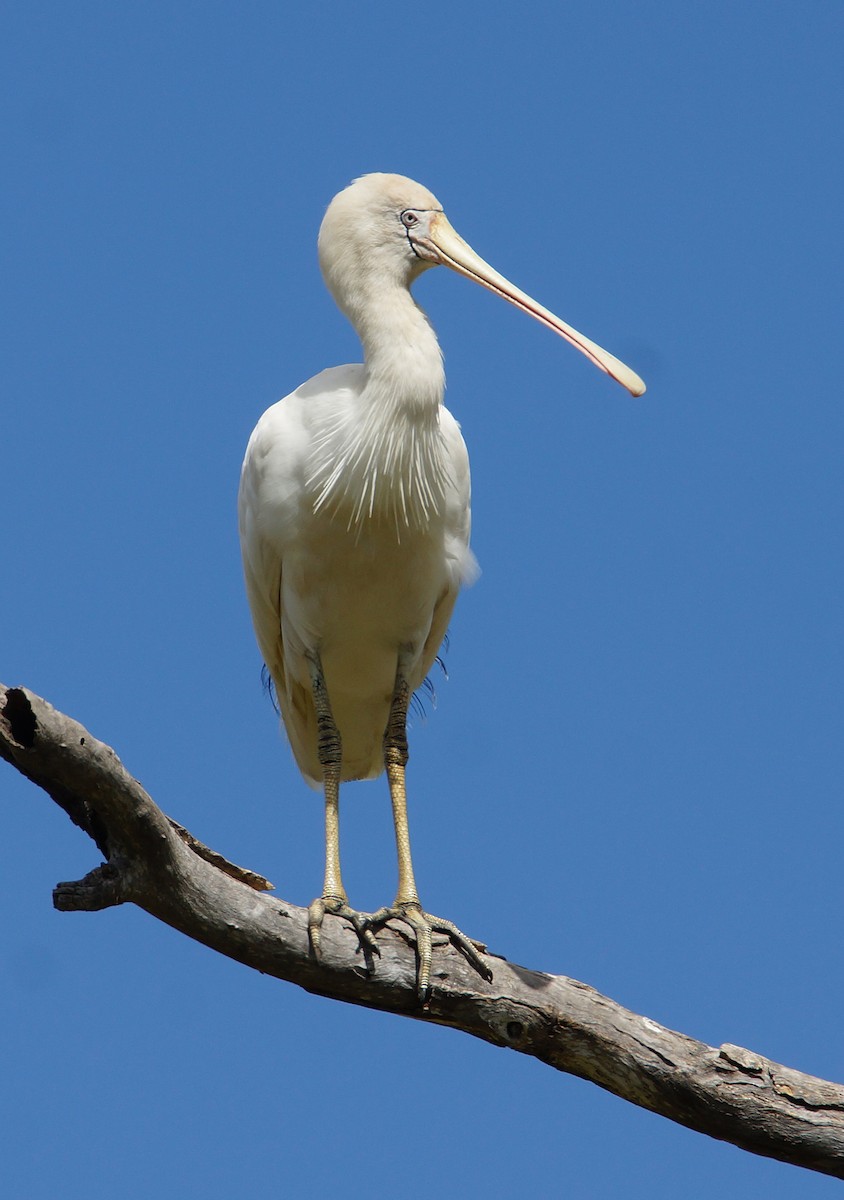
[[409, 219]]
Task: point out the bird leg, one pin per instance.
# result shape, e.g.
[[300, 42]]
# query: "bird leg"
[[407, 906], [330, 750]]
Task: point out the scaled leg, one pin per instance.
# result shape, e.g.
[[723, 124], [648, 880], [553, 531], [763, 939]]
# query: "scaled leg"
[[407, 906], [330, 750]]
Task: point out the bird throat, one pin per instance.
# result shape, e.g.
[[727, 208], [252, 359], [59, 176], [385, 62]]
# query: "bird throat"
[[382, 461], [380, 456]]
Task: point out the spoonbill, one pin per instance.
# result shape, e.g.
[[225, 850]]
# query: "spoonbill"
[[354, 526]]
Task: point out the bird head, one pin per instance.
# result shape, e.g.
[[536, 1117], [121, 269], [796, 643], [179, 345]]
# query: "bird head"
[[384, 230], [368, 232]]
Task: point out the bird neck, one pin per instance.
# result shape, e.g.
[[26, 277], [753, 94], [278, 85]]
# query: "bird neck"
[[383, 459], [404, 365]]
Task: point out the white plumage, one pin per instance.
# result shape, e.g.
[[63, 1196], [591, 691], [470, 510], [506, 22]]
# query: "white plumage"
[[356, 563], [354, 520]]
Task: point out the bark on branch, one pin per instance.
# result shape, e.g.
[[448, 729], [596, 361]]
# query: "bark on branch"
[[727, 1092]]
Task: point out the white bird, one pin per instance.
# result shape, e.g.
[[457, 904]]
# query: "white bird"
[[354, 524]]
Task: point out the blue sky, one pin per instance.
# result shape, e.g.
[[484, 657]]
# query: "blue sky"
[[633, 775]]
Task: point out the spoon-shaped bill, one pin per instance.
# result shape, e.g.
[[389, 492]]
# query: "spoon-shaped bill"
[[446, 245]]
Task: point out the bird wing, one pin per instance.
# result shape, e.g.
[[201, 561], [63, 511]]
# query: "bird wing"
[[267, 518], [462, 566], [272, 493]]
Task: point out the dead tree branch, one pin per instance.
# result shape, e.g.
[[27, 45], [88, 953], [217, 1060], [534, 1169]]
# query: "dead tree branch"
[[728, 1093]]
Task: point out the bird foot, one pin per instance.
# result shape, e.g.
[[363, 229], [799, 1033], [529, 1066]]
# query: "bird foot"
[[424, 926], [338, 907]]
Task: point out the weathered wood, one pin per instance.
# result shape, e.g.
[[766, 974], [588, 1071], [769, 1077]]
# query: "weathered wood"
[[729, 1093]]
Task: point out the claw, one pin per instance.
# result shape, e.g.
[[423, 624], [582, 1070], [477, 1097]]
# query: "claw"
[[424, 950], [316, 912], [424, 925], [339, 908]]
